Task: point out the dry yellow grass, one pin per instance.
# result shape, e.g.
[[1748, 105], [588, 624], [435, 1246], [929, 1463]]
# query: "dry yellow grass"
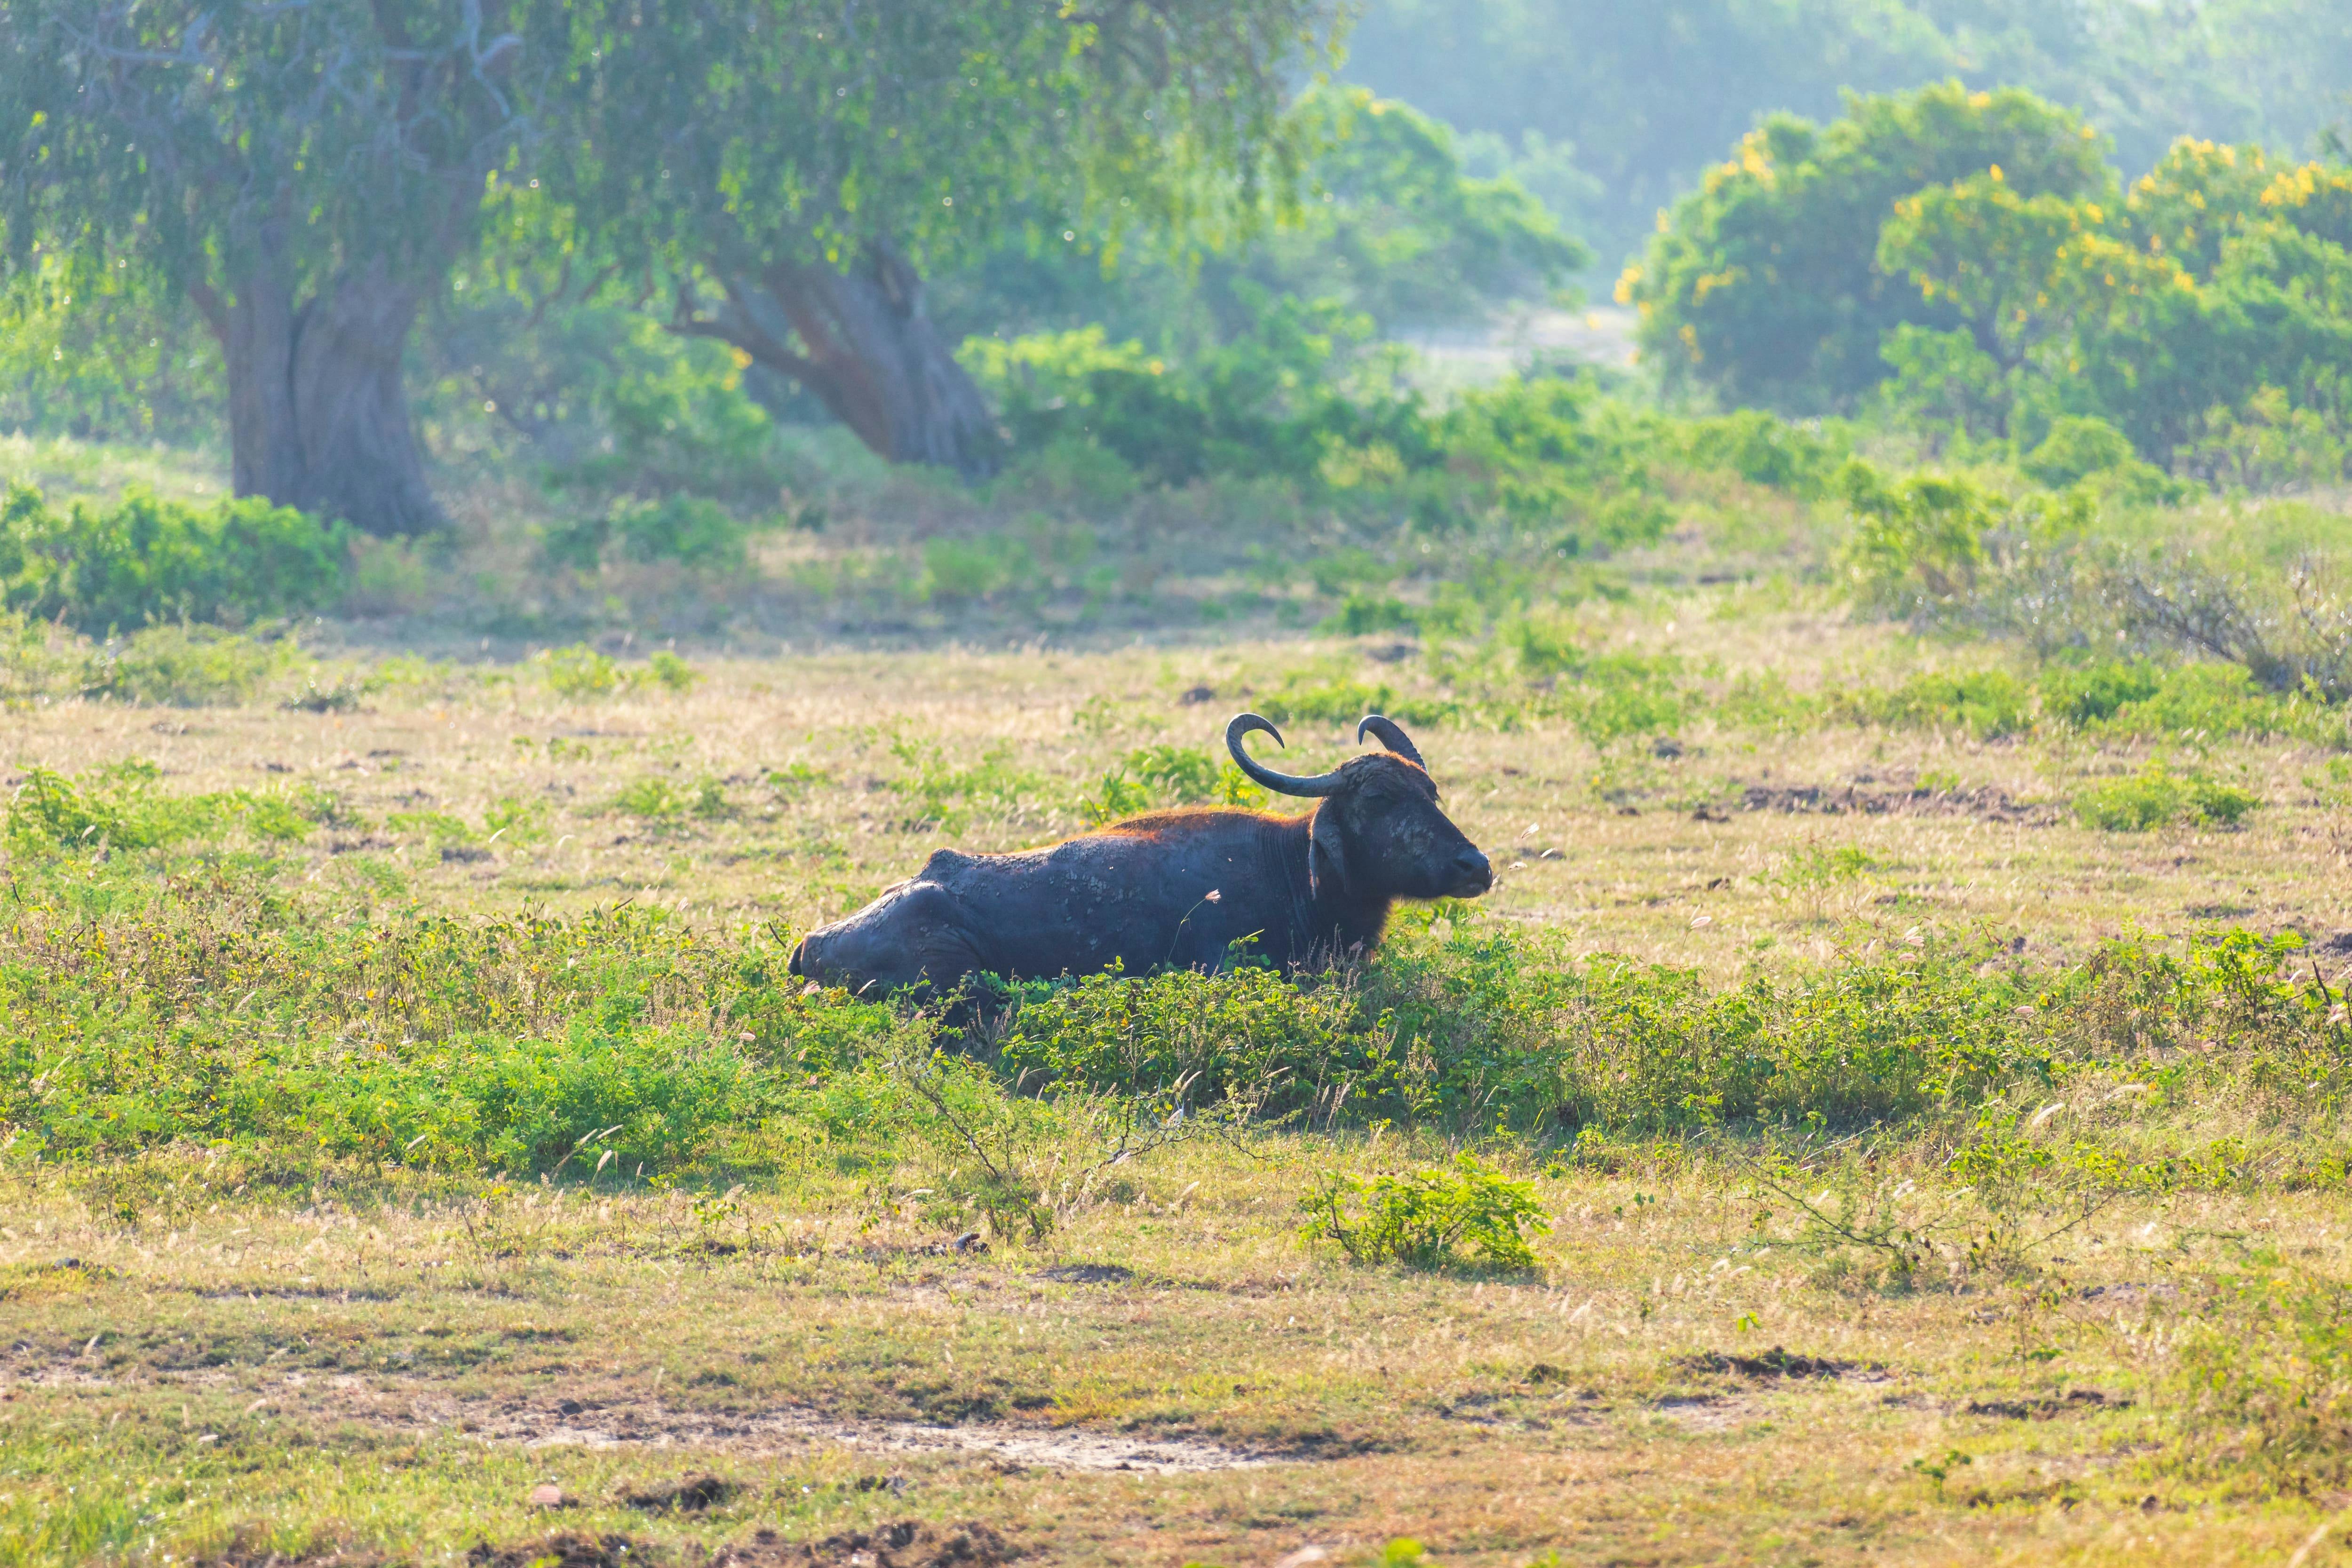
[[1719, 865]]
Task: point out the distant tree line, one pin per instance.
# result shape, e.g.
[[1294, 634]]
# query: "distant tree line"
[[1611, 111], [1970, 266]]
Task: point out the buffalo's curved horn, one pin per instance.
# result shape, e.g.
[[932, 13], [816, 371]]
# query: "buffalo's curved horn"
[[1391, 737], [1280, 783]]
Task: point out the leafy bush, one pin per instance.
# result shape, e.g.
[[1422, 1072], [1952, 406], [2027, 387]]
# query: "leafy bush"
[[1919, 543], [147, 560], [2088, 695], [184, 666], [676, 418], [2158, 797], [1425, 1219]]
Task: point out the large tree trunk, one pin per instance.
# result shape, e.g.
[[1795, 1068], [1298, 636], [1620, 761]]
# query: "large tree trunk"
[[862, 341], [318, 417]]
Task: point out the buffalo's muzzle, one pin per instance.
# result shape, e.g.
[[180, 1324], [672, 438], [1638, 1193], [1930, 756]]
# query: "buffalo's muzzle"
[[1472, 875]]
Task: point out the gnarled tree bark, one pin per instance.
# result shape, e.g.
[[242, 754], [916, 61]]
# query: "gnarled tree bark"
[[862, 341], [318, 417]]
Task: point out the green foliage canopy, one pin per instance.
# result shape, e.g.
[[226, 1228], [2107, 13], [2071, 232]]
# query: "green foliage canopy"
[[1764, 287], [743, 135]]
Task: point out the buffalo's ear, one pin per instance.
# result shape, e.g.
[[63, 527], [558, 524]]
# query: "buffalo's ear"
[[1326, 859]]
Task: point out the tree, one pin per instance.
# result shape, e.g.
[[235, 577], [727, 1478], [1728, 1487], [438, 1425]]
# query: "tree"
[[2218, 288], [304, 172], [1764, 287], [785, 172]]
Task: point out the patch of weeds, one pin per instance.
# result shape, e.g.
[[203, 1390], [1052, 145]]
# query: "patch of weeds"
[[1814, 866], [516, 819], [1024, 1162], [667, 802], [694, 1494], [942, 796], [1425, 1220], [1152, 775], [1343, 701], [1227, 1040], [1991, 705], [2264, 1378], [1867, 1238], [439, 830], [342, 695], [580, 674], [2156, 797], [670, 672], [796, 781], [119, 807]]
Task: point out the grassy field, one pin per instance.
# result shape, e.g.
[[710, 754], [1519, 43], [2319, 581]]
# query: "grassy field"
[[1919, 1075]]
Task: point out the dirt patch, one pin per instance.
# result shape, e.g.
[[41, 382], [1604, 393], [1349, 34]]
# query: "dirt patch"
[[571, 1549], [1709, 1412], [251, 1549], [1773, 1363], [575, 1423], [2075, 1402], [1086, 1274], [906, 1544], [1984, 802], [689, 1496], [418, 1405]]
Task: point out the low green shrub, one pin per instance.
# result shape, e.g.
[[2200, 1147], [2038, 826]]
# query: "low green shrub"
[[1426, 1219], [1987, 704], [580, 674], [230, 1018], [119, 807], [2157, 796], [1247, 1035], [185, 666], [145, 561]]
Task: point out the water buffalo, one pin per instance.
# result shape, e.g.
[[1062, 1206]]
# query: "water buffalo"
[[1173, 888]]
